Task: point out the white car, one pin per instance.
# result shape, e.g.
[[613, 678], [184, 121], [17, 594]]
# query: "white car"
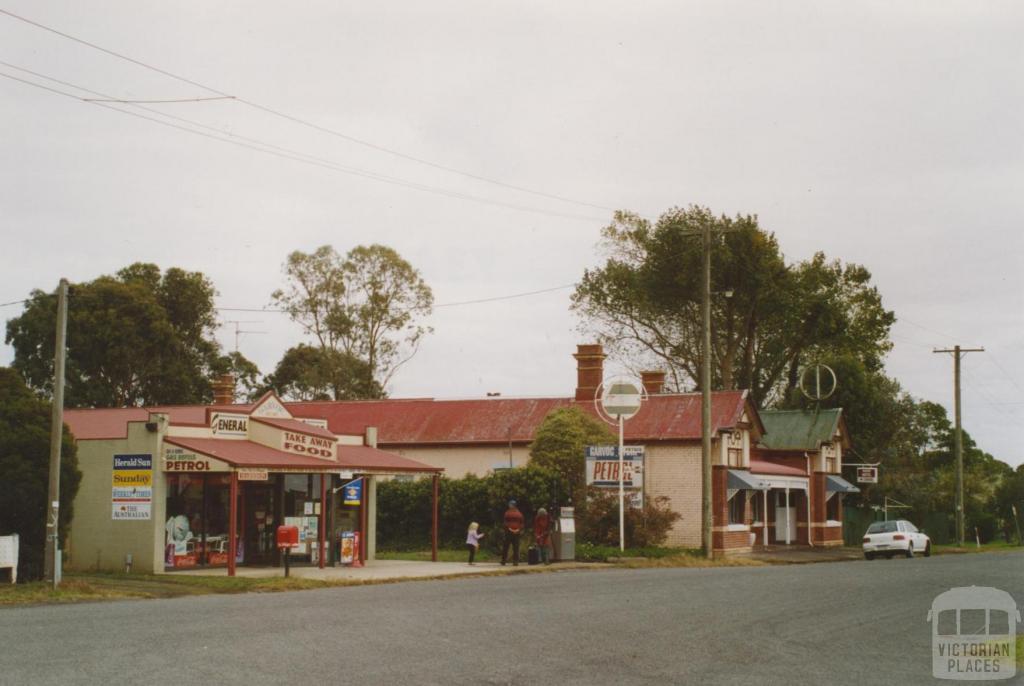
[[895, 536]]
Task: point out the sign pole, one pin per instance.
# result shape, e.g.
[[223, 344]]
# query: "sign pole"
[[50, 554], [622, 490]]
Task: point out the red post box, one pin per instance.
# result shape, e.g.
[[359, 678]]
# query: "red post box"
[[287, 537]]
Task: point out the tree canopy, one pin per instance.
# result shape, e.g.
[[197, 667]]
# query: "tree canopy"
[[308, 372], [25, 465], [140, 337], [367, 306], [561, 439], [769, 318]]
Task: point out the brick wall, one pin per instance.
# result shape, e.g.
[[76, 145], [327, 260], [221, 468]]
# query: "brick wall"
[[673, 471]]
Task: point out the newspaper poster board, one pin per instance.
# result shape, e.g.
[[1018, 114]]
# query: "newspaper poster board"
[[131, 494]]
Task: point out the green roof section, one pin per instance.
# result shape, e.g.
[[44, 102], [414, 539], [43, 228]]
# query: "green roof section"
[[799, 429]]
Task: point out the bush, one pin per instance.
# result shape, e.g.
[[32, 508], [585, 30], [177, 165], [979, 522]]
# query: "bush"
[[404, 516], [403, 511], [25, 467], [597, 520]]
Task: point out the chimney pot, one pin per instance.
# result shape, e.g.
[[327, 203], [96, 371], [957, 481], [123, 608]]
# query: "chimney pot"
[[224, 390], [653, 381], [589, 370]]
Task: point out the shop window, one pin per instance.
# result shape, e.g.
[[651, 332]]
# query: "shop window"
[[735, 457], [196, 530], [736, 508], [757, 507], [832, 508]]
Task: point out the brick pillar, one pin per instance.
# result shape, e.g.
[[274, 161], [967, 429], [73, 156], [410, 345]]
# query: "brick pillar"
[[653, 381]]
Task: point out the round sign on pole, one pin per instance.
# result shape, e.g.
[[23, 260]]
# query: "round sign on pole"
[[621, 399], [820, 385]]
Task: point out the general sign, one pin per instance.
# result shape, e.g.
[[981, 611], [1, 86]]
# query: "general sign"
[[224, 424], [603, 466]]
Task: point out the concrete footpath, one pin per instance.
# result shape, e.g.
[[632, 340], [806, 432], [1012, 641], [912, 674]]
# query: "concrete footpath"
[[387, 570]]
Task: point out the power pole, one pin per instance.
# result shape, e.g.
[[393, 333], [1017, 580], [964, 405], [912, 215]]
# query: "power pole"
[[707, 514], [50, 554], [958, 352]]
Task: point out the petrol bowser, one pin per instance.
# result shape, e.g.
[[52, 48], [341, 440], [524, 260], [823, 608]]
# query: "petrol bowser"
[[564, 540]]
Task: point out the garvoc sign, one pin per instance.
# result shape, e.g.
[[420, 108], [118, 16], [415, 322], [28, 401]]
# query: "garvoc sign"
[[602, 465]]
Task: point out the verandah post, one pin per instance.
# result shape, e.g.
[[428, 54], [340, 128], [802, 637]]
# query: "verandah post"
[[233, 524]]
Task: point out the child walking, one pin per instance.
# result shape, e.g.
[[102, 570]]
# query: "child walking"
[[473, 537]]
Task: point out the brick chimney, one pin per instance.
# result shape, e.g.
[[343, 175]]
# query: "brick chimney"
[[589, 370], [224, 390], [653, 381]]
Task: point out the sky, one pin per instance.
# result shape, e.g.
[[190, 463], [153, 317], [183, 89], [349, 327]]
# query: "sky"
[[886, 134]]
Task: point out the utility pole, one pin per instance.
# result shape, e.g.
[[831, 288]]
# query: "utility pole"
[[707, 515], [50, 562], [958, 352]]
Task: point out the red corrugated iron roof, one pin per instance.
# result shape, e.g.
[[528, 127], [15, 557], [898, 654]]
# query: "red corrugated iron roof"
[[762, 467], [670, 417], [499, 420], [294, 425], [249, 454]]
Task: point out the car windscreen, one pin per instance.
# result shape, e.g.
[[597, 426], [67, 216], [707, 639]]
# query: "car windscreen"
[[882, 528]]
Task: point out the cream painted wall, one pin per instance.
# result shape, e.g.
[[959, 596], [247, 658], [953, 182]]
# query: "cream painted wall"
[[460, 461], [96, 540]]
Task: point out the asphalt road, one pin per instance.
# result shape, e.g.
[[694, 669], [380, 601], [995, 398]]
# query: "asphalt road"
[[836, 623]]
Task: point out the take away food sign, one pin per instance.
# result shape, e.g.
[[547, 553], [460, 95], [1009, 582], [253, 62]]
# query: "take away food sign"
[[602, 465]]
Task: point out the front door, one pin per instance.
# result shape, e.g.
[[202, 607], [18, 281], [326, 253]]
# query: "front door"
[[260, 523], [782, 518]]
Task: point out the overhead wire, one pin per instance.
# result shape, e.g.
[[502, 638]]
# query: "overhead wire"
[[286, 153], [309, 124]]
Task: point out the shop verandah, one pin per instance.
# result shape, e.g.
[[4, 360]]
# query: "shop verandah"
[[331, 503]]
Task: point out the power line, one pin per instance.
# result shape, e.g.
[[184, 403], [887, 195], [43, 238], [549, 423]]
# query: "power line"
[[309, 124], [451, 304], [14, 302], [159, 102], [294, 155]]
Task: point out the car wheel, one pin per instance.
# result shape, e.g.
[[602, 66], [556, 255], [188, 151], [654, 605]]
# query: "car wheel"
[[928, 549], [869, 556], [910, 550]]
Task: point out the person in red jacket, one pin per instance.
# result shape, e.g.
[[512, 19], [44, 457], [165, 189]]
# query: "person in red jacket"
[[513, 530], [542, 535]]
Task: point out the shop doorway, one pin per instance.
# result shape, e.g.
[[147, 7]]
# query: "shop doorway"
[[782, 518], [259, 517]]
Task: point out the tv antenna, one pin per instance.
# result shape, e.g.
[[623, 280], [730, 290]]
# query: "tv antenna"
[[239, 330]]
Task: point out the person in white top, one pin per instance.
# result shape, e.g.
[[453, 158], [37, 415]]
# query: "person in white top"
[[473, 537]]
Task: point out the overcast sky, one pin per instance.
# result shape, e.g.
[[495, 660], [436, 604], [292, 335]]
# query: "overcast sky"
[[888, 134]]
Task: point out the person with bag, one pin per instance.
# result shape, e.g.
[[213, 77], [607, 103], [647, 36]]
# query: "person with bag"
[[542, 535], [513, 530]]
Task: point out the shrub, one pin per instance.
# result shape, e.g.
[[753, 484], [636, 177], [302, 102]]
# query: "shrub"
[[597, 520]]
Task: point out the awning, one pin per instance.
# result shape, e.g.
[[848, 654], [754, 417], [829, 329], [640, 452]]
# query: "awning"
[[837, 484], [740, 480]]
